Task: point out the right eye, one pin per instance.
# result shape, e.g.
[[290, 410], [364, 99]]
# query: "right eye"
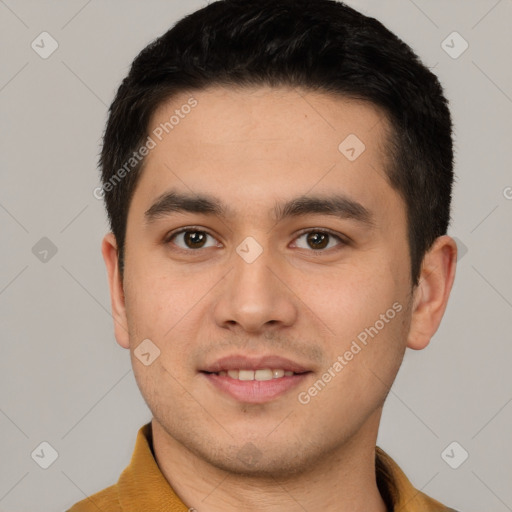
[[190, 239]]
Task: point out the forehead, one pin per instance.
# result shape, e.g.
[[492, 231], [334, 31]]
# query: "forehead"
[[248, 145], [267, 115]]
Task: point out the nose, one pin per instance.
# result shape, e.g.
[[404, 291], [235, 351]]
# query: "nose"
[[255, 297]]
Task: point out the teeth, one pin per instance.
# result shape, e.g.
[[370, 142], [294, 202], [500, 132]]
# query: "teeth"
[[264, 374], [246, 375]]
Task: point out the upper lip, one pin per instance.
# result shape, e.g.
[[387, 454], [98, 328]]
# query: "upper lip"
[[243, 362]]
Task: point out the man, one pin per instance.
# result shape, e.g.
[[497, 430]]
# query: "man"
[[278, 177]]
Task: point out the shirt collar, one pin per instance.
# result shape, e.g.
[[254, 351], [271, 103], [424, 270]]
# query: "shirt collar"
[[143, 483]]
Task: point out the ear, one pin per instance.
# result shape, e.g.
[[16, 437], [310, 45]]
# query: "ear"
[[110, 256], [432, 292]]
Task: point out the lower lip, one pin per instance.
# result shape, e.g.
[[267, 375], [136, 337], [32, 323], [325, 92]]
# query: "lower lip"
[[255, 391]]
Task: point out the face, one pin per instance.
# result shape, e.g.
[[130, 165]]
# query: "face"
[[296, 259]]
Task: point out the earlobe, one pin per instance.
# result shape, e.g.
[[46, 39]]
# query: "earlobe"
[[432, 293], [110, 256]]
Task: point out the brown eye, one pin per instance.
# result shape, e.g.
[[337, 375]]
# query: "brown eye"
[[191, 239], [194, 239], [318, 240]]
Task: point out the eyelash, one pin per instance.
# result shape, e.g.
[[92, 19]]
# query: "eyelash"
[[192, 229]]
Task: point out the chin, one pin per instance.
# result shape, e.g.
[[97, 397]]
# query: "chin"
[[252, 463]]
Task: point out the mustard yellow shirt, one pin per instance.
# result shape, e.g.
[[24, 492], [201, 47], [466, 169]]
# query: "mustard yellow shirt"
[[143, 488]]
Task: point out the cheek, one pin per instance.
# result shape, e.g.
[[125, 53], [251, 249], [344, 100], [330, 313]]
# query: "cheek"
[[365, 364], [162, 309], [366, 313], [156, 302], [350, 299]]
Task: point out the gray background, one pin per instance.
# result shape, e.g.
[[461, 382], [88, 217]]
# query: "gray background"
[[64, 379]]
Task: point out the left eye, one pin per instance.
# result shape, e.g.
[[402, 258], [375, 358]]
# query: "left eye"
[[318, 240]]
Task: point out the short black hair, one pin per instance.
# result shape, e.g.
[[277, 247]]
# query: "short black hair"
[[322, 46]]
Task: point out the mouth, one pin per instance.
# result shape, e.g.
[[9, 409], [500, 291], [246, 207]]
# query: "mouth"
[[254, 380], [263, 374]]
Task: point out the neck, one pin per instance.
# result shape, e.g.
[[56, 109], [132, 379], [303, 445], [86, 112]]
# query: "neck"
[[342, 481]]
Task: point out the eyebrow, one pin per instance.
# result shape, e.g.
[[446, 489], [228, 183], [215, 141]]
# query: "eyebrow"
[[337, 205]]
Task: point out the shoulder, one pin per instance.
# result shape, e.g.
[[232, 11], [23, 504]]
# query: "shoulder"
[[422, 502], [398, 492], [107, 499]]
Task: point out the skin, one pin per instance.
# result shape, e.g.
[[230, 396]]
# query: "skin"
[[251, 148]]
